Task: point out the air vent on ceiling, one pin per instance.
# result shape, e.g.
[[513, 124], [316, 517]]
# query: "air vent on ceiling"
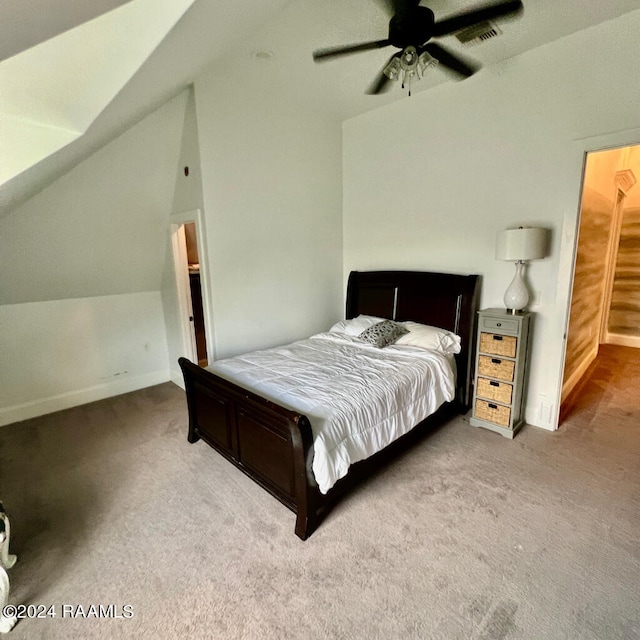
[[478, 33]]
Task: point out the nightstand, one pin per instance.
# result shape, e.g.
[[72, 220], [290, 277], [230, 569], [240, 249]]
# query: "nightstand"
[[502, 354]]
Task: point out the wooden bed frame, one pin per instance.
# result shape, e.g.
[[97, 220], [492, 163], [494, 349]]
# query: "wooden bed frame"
[[274, 446]]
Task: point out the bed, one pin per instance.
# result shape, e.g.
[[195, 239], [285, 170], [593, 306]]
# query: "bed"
[[276, 443]]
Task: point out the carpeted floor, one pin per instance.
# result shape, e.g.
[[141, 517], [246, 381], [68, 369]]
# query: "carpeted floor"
[[468, 536]]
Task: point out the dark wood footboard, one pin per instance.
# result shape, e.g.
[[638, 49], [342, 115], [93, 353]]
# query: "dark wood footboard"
[[272, 445]]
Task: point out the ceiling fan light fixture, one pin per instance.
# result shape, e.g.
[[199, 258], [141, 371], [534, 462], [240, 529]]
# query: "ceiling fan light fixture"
[[409, 58], [426, 62], [409, 66], [393, 69]]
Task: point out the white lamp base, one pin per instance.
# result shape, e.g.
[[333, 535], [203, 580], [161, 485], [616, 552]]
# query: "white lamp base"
[[516, 296]]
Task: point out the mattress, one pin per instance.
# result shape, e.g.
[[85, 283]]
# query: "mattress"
[[358, 398]]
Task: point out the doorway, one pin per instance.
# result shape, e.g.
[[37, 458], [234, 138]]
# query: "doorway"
[[196, 317], [605, 299], [191, 290]]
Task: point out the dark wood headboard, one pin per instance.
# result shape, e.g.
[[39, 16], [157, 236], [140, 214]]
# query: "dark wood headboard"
[[445, 300]]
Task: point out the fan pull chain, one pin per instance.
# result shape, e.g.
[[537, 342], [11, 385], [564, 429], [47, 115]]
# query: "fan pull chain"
[[406, 80]]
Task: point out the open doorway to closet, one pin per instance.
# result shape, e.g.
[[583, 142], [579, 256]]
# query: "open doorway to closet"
[[605, 302], [189, 282]]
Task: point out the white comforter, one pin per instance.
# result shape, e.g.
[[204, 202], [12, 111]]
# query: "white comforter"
[[357, 397]]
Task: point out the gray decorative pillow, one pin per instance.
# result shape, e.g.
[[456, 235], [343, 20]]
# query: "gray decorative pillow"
[[384, 333]]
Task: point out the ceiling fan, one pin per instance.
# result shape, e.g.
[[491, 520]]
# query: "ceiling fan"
[[411, 29]]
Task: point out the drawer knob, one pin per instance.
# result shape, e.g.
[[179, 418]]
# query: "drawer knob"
[[496, 361], [497, 337], [492, 406], [498, 324], [493, 383]]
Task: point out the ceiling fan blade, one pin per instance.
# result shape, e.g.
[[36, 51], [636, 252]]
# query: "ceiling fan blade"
[[381, 83], [403, 5], [334, 52], [449, 60], [469, 18]]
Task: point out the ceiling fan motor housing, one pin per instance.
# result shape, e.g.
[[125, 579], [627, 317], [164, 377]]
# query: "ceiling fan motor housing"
[[411, 27]]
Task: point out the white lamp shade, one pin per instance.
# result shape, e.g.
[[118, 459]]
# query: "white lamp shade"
[[521, 244]]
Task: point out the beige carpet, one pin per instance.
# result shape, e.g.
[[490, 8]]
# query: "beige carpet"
[[466, 536]]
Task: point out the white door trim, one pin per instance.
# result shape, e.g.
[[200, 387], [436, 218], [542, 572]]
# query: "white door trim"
[[185, 305], [196, 216]]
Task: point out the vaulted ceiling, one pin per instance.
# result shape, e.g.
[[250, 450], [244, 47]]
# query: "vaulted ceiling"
[[73, 75], [46, 104]]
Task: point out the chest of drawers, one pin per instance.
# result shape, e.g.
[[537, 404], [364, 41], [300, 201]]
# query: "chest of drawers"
[[501, 363]]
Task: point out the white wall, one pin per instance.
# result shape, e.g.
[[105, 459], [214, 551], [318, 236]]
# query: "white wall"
[[62, 353], [187, 198], [80, 272], [187, 194], [292, 204], [100, 229], [271, 177], [428, 181], [94, 245]]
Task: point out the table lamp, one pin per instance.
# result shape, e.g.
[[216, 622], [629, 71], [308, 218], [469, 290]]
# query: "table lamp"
[[519, 246]]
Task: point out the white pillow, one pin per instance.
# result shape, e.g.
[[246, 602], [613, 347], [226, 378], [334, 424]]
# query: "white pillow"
[[355, 326], [427, 337]]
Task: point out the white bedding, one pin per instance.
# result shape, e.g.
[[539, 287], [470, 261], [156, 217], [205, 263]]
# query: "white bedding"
[[358, 398]]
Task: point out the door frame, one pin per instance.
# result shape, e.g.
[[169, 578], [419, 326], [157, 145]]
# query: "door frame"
[[176, 221], [185, 301], [570, 237]]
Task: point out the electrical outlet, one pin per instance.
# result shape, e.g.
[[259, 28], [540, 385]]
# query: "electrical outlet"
[[546, 410]]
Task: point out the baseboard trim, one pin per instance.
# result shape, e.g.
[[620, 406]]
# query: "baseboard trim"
[[177, 378], [42, 406], [622, 340], [575, 377]]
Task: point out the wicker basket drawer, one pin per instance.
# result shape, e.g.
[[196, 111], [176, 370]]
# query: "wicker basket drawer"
[[496, 368], [494, 390], [491, 412], [498, 344]]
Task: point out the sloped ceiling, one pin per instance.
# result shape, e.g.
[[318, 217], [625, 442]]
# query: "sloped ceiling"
[[106, 218], [34, 22], [228, 33], [197, 39], [46, 104], [338, 86]]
